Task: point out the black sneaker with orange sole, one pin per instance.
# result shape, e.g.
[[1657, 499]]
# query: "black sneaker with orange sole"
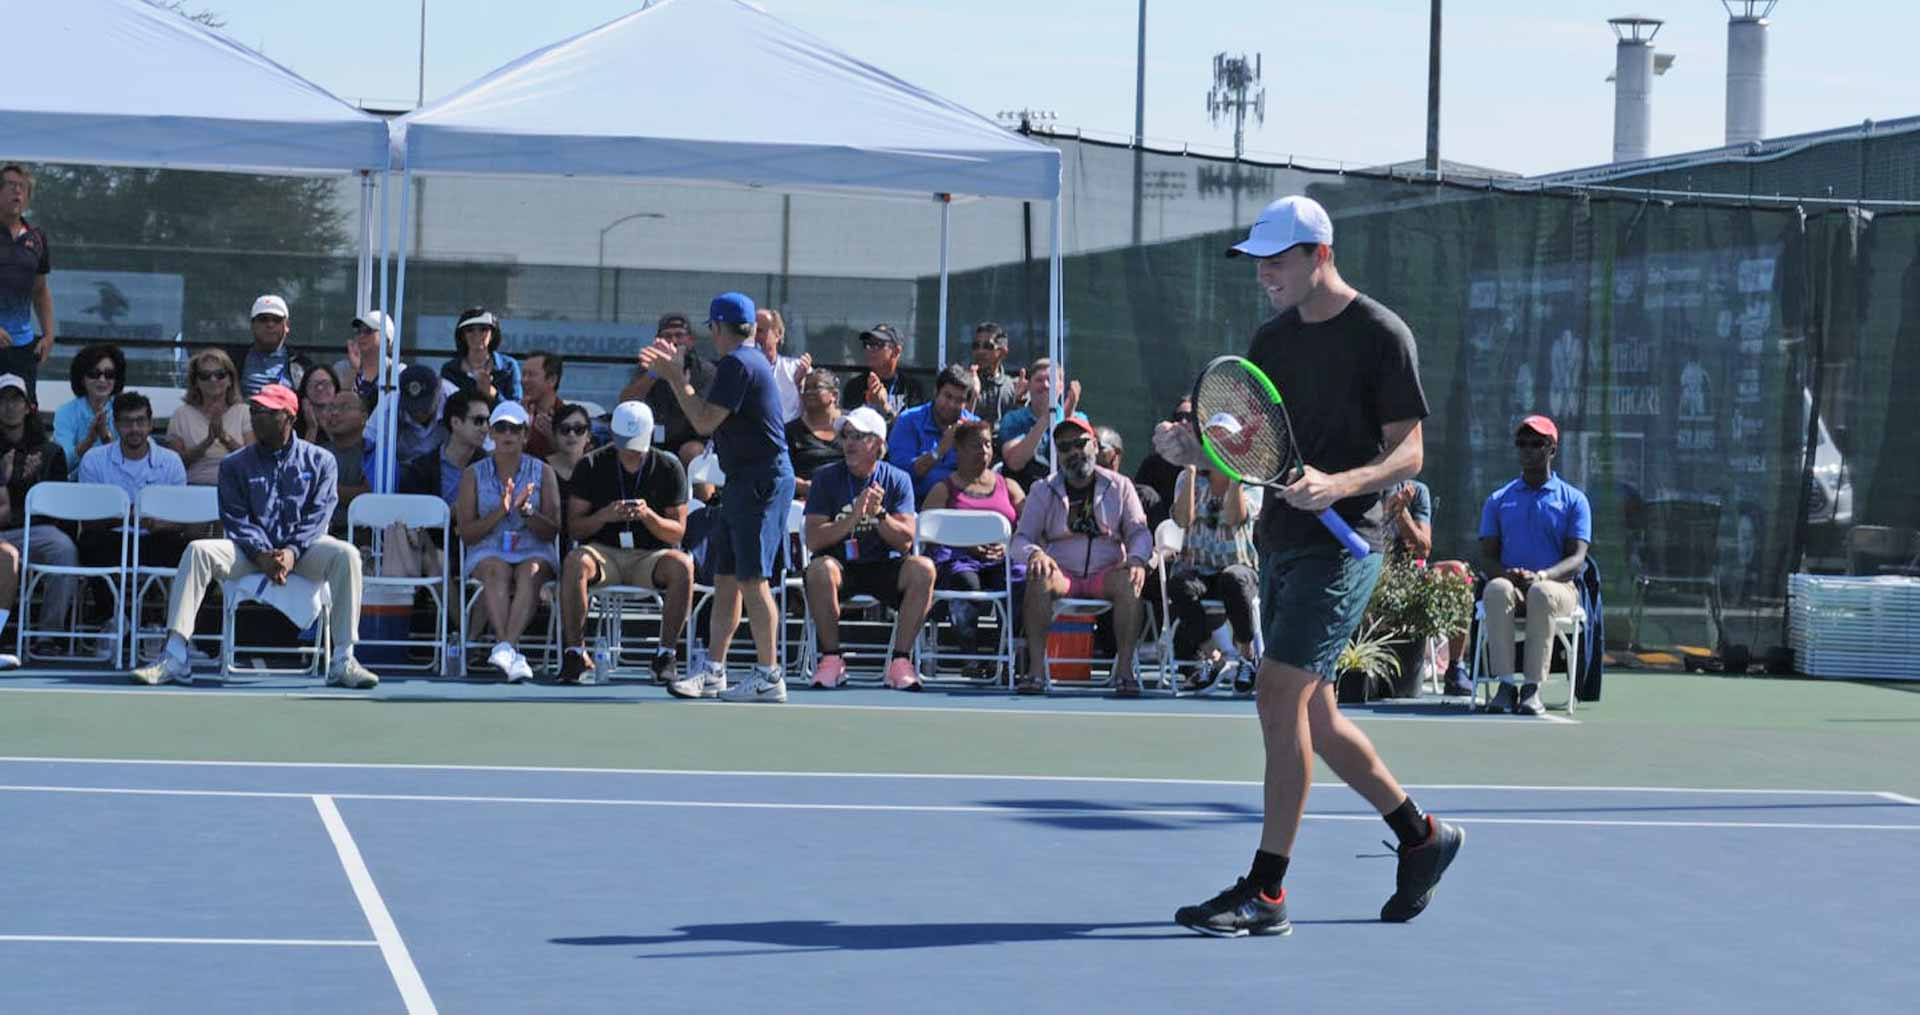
[[1237, 912], [1420, 870]]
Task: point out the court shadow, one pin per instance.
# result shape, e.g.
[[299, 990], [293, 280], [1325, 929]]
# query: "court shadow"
[[1109, 816], [782, 936]]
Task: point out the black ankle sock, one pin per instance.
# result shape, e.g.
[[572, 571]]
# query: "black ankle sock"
[[670, 655], [1269, 869], [1409, 823], [897, 654]]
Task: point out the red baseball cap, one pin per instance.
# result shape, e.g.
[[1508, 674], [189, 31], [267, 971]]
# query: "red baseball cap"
[[1076, 423], [1542, 426], [277, 396]]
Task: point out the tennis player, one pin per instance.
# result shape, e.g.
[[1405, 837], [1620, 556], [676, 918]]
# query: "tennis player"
[[1350, 374], [742, 412]]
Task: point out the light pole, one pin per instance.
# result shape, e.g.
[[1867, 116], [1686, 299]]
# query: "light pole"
[[600, 264]]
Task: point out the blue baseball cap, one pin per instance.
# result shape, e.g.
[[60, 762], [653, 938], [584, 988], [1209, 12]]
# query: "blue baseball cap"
[[731, 308]]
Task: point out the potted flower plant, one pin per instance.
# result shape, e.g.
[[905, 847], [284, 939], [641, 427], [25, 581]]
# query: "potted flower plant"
[[1414, 604]]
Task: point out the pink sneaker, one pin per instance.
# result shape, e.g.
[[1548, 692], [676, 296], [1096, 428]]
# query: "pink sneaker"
[[901, 675], [831, 672]]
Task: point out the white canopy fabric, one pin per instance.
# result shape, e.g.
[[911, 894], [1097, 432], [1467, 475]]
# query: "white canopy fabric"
[[122, 82], [718, 90]]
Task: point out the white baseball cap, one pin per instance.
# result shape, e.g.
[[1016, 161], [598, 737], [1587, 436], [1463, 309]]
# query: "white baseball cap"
[[373, 320], [511, 412], [1224, 421], [14, 381], [633, 425], [269, 304], [1285, 223], [865, 420]]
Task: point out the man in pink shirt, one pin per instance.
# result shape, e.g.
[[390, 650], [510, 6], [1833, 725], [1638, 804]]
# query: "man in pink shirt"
[[1083, 534]]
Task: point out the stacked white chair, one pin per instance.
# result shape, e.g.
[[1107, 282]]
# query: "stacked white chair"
[[76, 502]]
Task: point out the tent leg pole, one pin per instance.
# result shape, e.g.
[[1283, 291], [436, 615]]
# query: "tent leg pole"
[[946, 209], [390, 370]]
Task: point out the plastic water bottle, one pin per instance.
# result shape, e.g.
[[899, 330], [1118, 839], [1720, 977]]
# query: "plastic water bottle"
[[602, 665]]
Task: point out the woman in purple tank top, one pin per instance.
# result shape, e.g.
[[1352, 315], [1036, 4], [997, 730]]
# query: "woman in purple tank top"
[[974, 486]]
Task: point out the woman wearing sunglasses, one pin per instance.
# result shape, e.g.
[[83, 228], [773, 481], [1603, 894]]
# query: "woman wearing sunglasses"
[[97, 374], [572, 439], [211, 422], [508, 511]]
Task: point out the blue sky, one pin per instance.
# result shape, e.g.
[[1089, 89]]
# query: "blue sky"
[[1524, 81]]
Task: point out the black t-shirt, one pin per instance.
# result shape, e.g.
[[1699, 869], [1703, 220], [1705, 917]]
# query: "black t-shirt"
[[903, 393], [600, 480], [672, 428], [1343, 380], [808, 451]]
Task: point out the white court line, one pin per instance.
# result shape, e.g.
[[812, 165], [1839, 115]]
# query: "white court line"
[[784, 805], [988, 777], [92, 939], [296, 694], [1899, 798], [413, 990]]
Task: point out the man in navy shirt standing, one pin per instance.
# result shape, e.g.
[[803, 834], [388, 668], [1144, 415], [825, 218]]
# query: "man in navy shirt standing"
[[1534, 534], [24, 266], [741, 411]]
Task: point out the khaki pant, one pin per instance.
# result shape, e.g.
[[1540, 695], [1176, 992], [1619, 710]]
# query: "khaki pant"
[[328, 560], [1545, 601]]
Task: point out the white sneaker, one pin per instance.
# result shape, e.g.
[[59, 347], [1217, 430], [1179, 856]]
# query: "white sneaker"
[[766, 685], [350, 674], [501, 658], [519, 670], [707, 680], [165, 669]]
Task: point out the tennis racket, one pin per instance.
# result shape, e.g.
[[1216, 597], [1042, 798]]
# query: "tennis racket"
[[1244, 430]]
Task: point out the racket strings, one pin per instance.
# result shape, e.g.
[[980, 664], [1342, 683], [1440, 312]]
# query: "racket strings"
[[1262, 447]]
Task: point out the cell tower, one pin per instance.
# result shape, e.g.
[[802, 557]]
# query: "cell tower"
[[1236, 92]]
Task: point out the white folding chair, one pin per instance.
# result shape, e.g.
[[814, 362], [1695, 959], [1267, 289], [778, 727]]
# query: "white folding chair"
[[237, 592], [179, 505], [374, 512], [964, 528], [76, 502], [810, 634], [1569, 635], [1169, 541]]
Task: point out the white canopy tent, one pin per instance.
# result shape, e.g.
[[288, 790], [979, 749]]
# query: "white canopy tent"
[[767, 106], [126, 83]]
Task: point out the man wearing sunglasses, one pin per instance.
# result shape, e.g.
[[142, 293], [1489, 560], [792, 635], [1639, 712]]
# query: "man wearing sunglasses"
[[269, 359], [1534, 534], [882, 386], [998, 394], [276, 497], [437, 473]]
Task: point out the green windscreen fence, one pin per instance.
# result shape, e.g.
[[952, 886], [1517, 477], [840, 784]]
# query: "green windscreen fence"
[[1724, 375]]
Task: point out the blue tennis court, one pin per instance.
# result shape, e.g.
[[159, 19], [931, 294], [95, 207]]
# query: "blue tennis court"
[[233, 887]]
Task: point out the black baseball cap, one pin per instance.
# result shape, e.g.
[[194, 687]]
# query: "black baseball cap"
[[881, 333]]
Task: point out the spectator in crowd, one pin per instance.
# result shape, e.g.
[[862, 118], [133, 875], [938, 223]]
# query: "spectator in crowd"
[[1083, 534], [98, 374], [674, 432], [572, 439], [813, 438], [1216, 562], [998, 394], [1111, 449], [1409, 513], [24, 292], [742, 412], [211, 422], [27, 457], [508, 513], [478, 365], [921, 444], [317, 388], [974, 486], [131, 463], [352, 448], [882, 386], [1534, 534], [438, 472], [360, 367], [1026, 433], [1155, 477], [9, 592], [269, 360], [859, 527], [276, 496], [423, 394], [540, 374], [628, 509], [769, 333]]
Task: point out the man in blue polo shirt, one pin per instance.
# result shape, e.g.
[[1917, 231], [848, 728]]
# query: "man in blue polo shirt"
[[1026, 433], [921, 444], [1534, 534], [24, 266], [742, 411]]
